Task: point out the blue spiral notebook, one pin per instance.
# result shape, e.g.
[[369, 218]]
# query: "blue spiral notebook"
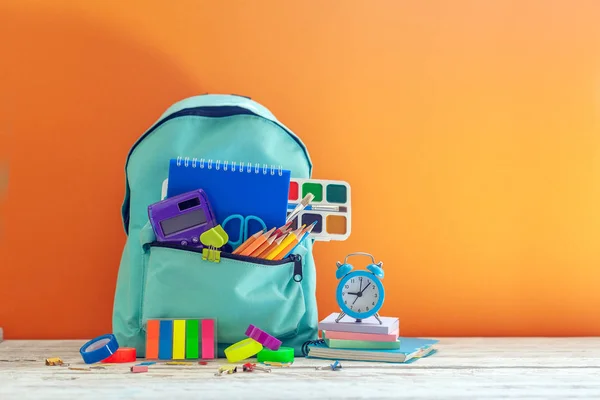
[[410, 350], [235, 188]]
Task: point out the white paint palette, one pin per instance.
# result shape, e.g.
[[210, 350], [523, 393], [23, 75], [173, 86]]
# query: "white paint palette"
[[330, 208]]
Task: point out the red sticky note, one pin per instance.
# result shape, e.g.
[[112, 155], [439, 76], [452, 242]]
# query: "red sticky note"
[[208, 339]]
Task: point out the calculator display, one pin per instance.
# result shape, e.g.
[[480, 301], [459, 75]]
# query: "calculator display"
[[183, 222]]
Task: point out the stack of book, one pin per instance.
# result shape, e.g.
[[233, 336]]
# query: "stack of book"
[[367, 340]]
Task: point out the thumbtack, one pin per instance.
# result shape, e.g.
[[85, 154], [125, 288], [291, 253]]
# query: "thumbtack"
[[249, 367], [334, 367]]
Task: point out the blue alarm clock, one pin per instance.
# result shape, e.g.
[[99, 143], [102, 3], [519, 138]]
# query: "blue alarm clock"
[[360, 293]]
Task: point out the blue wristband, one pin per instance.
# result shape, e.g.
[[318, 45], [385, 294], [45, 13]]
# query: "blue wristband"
[[99, 349]]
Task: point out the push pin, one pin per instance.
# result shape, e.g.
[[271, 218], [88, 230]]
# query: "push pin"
[[334, 367], [249, 367], [226, 370]]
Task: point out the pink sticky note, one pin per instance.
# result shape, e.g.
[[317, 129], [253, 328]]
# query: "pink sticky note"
[[208, 339]]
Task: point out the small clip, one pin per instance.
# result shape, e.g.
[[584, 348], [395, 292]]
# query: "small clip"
[[249, 367], [211, 254], [54, 361], [334, 367], [227, 370]]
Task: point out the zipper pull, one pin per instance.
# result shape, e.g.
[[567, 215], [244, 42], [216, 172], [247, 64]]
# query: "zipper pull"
[[297, 267]]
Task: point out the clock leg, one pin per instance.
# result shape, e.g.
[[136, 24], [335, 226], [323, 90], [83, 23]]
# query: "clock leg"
[[376, 315], [342, 315]]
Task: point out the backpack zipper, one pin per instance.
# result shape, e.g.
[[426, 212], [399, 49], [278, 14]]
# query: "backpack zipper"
[[206, 111], [295, 258]]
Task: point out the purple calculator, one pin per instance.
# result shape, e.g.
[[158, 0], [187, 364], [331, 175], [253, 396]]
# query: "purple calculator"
[[182, 218]]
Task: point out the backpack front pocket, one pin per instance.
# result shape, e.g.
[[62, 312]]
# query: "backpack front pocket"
[[236, 291]]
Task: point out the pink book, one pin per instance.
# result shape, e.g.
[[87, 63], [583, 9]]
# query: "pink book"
[[372, 337]]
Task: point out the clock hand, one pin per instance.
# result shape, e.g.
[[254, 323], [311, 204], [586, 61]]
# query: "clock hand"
[[355, 300], [355, 294], [365, 287]]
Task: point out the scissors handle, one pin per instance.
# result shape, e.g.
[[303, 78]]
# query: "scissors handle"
[[244, 228], [240, 236], [253, 218]]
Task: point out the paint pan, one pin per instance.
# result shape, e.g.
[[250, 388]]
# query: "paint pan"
[[330, 208]]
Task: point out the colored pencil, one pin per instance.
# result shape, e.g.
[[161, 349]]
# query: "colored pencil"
[[254, 245], [248, 242], [292, 237], [272, 247], [304, 234], [283, 230], [263, 246]]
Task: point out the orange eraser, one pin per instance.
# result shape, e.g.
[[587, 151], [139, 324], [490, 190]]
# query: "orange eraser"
[[139, 368]]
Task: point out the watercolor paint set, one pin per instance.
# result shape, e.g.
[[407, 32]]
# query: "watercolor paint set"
[[330, 208]]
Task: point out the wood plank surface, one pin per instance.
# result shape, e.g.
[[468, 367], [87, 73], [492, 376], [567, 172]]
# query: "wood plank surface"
[[463, 368]]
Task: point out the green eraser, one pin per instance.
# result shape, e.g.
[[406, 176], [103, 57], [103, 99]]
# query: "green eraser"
[[283, 355]]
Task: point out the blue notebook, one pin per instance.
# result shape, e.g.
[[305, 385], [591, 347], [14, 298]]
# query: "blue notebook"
[[258, 191], [410, 350]]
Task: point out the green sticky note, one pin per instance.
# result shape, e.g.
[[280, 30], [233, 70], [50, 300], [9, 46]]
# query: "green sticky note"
[[192, 338], [315, 188]]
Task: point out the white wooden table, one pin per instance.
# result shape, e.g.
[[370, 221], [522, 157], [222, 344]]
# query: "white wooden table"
[[532, 368]]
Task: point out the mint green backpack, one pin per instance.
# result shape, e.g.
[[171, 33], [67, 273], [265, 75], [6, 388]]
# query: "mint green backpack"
[[160, 282]]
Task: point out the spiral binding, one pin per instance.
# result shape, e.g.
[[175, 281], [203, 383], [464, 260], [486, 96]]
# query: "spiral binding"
[[234, 167], [309, 342]]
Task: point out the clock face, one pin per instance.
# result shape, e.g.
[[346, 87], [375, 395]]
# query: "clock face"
[[360, 294]]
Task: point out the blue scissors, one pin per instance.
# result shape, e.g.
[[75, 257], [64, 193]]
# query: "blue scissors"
[[244, 231]]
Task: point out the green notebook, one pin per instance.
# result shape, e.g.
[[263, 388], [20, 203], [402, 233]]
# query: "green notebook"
[[361, 344]]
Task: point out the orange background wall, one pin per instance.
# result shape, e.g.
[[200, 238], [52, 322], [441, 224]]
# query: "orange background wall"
[[468, 130]]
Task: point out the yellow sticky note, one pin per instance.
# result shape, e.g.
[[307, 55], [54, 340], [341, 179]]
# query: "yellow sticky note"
[[179, 339]]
